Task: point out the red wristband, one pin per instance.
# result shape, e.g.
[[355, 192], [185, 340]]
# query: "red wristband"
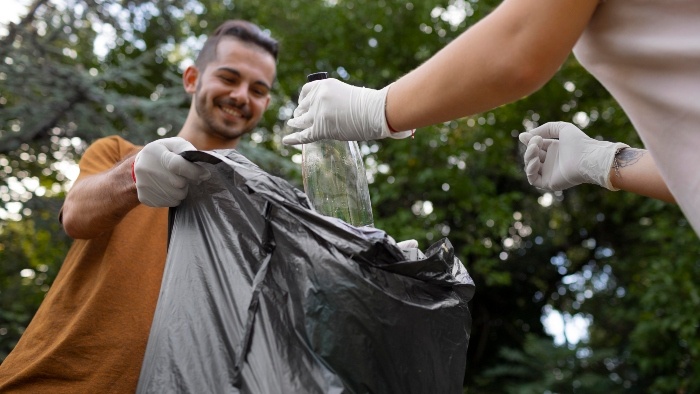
[[133, 173]]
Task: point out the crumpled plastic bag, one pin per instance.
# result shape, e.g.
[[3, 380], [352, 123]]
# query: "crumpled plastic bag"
[[262, 294]]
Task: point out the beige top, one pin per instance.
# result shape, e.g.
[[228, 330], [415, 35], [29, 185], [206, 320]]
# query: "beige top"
[[90, 333], [647, 54]]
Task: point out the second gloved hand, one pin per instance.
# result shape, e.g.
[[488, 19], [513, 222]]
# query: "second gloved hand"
[[331, 109], [410, 250], [162, 175], [560, 156], [408, 244]]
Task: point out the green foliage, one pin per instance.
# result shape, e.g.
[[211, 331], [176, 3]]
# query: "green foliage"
[[542, 367], [31, 251], [626, 261]]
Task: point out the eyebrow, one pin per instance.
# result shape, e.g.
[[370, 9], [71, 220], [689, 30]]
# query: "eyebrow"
[[236, 72]]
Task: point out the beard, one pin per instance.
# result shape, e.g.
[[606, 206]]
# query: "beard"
[[214, 125]]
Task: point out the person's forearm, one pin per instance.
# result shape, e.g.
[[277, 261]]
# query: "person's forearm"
[[635, 171], [98, 202], [509, 54]]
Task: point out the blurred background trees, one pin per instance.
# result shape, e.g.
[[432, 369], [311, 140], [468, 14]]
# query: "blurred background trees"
[[612, 274]]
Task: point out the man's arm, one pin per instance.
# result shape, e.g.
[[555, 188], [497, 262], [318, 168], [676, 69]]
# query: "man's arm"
[[96, 203], [156, 176]]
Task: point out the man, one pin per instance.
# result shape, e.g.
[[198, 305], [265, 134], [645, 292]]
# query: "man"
[[90, 333]]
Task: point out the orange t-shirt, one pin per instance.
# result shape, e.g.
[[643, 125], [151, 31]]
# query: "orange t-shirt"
[[90, 333]]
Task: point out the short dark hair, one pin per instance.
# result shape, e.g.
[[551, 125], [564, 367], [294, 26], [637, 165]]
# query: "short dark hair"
[[240, 29]]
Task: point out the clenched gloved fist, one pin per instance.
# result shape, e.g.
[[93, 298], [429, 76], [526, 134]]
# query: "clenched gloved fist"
[[331, 109], [560, 156], [162, 175]]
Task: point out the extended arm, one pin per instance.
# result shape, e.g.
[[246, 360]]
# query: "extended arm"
[[508, 54], [560, 156]]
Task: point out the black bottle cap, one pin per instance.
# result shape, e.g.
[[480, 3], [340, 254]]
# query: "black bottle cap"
[[317, 76]]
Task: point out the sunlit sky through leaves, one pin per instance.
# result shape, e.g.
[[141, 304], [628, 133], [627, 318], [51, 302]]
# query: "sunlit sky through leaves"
[[12, 9]]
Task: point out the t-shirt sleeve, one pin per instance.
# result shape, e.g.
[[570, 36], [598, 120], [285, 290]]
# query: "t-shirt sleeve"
[[103, 154]]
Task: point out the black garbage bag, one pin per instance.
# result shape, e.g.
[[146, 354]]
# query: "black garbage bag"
[[261, 294]]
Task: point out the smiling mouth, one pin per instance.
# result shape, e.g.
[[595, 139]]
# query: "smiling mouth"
[[233, 112]]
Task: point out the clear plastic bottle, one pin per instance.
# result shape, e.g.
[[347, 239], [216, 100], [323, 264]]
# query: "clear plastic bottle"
[[334, 178]]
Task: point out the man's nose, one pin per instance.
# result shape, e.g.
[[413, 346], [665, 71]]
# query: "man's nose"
[[239, 94]]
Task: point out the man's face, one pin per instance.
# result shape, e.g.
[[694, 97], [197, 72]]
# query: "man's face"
[[233, 91]]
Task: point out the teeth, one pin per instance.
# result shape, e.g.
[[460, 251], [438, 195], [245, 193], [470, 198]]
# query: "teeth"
[[231, 112]]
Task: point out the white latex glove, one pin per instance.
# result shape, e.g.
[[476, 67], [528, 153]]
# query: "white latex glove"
[[331, 109], [560, 156], [162, 175], [410, 250], [407, 244]]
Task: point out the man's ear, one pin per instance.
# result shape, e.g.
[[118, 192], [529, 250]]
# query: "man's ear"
[[189, 79]]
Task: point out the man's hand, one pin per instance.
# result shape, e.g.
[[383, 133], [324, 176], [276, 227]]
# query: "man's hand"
[[330, 109], [560, 156], [162, 175]]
